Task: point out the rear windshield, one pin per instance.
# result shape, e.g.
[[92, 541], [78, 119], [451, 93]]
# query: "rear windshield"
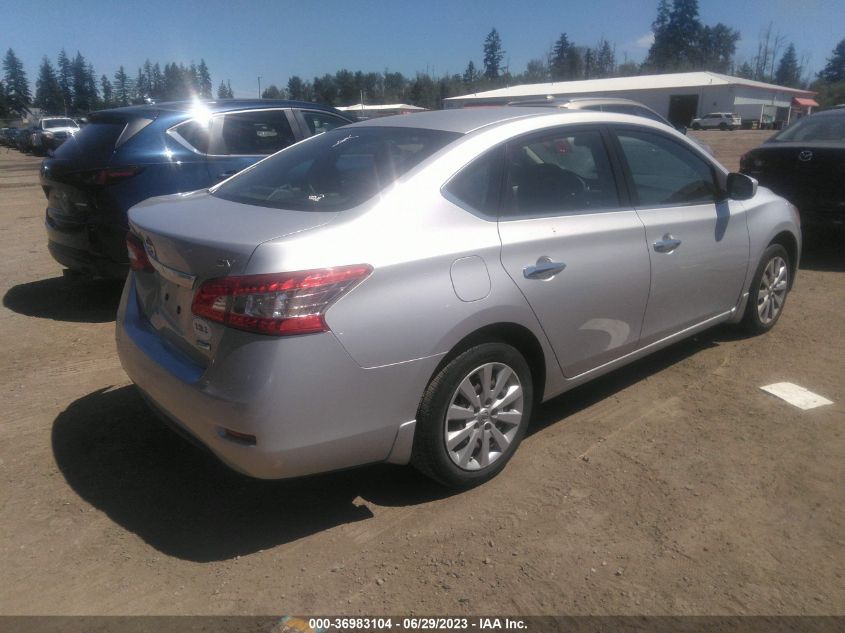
[[59, 123], [95, 140], [336, 170], [815, 128]]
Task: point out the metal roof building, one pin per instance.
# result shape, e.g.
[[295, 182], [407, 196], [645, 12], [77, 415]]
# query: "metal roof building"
[[679, 97]]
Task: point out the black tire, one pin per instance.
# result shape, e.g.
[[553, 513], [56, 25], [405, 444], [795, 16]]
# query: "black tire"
[[752, 320], [430, 453], [723, 126], [696, 126]]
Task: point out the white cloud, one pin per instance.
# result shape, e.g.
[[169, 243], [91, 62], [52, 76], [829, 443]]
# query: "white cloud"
[[646, 40]]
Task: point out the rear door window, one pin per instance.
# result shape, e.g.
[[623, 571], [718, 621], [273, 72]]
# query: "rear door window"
[[258, 132], [559, 172], [193, 134]]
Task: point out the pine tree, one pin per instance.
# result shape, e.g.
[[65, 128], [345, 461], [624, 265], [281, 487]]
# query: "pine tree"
[[559, 66], [84, 86], [296, 88], [48, 93], [122, 88], [108, 92], [605, 60], [834, 70], [18, 97], [788, 72], [204, 80], [493, 55], [65, 77], [470, 74]]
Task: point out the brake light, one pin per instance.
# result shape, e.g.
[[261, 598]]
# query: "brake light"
[[138, 259], [109, 176], [278, 304]]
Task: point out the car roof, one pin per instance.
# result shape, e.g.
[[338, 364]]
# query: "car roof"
[[215, 106], [460, 120]]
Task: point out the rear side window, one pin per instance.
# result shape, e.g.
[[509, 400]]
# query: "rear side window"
[[664, 172], [258, 132], [336, 170], [320, 122], [478, 185], [194, 134]]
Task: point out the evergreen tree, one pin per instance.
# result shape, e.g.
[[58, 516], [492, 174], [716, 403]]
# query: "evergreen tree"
[[325, 90], [204, 80], [272, 92], [18, 98], [559, 66], [574, 63], [470, 74], [605, 60], [84, 86], [589, 62], [65, 77], [834, 70], [224, 91], [536, 71], [788, 72], [48, 93], [296, 89], [717, 47], [108, 92], [746, 71], [4, 107], [122, 88], [142, 87], [493, 55]]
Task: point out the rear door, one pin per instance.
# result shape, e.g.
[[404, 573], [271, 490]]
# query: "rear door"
[[697, 241], [239, 139], [574, 246]]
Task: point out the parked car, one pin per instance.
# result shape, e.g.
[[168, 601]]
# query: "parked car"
[[804, 164], [50, 132], [23, 139], [407, 288], [607, 104], [126, 155], [717, 120]]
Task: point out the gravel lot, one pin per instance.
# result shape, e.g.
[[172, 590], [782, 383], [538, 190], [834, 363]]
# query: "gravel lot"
[[673, 486]]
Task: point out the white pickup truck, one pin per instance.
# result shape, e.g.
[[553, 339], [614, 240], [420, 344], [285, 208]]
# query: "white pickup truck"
[[721, 120]]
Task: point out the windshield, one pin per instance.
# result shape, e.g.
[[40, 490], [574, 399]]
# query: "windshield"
[[814, 128], [60, 123], [336, 170]]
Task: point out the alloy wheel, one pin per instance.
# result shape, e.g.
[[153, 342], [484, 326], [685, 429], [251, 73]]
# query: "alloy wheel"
[[772, 291], [484, 415]]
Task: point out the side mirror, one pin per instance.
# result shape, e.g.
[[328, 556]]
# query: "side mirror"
[[741, 187]]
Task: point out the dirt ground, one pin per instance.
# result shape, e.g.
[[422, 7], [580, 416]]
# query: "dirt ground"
[[673, 486]]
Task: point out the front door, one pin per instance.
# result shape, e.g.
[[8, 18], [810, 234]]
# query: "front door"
[[697, 241], [575, 250]]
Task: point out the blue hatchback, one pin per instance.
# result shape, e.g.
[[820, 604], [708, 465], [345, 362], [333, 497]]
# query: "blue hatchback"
[[126, 155]]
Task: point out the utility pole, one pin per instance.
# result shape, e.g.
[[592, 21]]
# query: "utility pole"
[[259, 86]]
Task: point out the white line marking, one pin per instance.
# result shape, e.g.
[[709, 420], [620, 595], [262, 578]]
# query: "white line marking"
[[795, 395]]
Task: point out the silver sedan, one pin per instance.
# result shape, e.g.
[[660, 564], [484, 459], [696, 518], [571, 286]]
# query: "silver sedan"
[[406, 289]]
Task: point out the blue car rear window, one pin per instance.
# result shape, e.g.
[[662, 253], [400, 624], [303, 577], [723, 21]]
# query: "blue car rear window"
[[336, 170]]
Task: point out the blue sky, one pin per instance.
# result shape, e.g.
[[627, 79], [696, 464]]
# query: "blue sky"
[[241, 40]]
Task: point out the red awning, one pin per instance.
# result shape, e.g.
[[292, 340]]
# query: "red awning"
[[805, 103]]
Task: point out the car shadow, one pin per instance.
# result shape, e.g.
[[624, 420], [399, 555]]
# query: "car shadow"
[[116, 455], [66, 299], [824, 251], [600, 388]]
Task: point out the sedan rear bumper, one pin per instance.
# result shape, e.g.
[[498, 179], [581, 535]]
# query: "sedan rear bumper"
[[309, 406]]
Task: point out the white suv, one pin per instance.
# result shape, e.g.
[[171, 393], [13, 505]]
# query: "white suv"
[[721, 120]]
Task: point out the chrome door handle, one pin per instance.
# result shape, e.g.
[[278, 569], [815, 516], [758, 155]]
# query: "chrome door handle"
[[545, 268], [667, 244]]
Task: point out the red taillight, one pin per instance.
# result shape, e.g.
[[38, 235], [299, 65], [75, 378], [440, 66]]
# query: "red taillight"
[[108, 176], [278, 304], [138, 259]]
